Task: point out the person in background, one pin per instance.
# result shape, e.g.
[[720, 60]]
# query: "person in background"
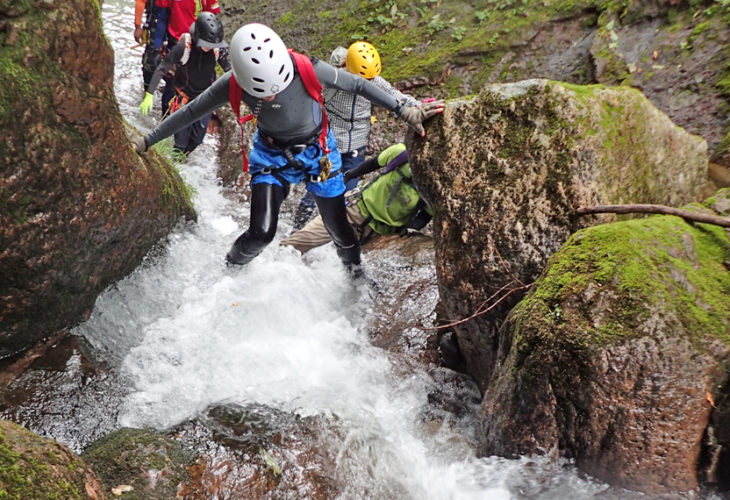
[[350, 114], [292, 143], [389, 204], [182, 13], [151, 34], [195, 59]]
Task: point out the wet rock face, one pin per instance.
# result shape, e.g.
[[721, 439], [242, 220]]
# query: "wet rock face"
[[142, 463], [506, 171], [675, 60], [78, 208], [619, 355], [230, 451]]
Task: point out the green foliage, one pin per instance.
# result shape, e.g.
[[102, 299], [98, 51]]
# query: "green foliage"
[[435, 25], [171, 179], [458, 33], [482, 16], [416, 38]]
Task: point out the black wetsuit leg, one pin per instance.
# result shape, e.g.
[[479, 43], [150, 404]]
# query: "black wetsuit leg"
[[343, 236], [266, 200]]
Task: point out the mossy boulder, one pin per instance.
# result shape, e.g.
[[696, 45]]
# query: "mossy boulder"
[[150, 463], [78, 208], [229, 451], [506, 171], [35, 468], [619, 355]]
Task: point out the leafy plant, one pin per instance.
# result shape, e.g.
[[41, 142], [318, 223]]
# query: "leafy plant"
[[458, 33], [435, 25]]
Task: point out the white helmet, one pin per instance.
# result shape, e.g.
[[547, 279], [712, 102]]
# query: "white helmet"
[[261, 63]]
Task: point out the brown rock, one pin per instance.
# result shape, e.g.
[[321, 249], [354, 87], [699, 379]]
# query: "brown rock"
[[79, 208]]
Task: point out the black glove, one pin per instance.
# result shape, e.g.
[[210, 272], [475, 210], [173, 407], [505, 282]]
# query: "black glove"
[[369, 165]]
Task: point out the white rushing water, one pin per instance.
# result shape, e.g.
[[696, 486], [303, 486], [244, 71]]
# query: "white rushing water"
[[186, 332]]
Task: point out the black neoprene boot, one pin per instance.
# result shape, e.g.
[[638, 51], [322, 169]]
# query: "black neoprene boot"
[[266, 200], [241, 253], [343, 235]]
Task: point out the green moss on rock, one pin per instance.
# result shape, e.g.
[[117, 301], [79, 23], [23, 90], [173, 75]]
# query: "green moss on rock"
[[34, 468], [660, 263], [131, 456]]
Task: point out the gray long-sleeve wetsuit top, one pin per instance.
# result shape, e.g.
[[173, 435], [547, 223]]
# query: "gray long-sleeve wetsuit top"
[[293, 117]]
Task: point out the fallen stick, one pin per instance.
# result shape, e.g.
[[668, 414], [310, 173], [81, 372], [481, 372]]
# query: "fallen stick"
[[656, 209]]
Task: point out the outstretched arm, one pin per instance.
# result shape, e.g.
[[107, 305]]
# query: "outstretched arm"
[[369, 165], [341, 79], [167, 63], [211, 99], [402, 98]]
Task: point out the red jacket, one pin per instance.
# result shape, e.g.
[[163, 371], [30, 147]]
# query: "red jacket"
[[184, 12]]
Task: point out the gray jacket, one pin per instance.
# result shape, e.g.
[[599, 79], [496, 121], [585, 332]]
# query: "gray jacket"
[[293, 117]]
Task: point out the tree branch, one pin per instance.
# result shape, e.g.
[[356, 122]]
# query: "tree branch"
[[656, 209]]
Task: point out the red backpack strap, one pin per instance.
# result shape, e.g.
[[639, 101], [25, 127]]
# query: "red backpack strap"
[[314, 89], [235, 93]]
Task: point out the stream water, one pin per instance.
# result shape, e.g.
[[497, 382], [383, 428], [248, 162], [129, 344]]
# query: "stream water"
[[184, 332]]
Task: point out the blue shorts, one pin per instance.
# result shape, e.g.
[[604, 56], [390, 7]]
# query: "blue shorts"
[[263, 156]]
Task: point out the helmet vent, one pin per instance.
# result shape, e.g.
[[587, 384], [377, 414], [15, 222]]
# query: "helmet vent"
[[255, 61], [257, 80]]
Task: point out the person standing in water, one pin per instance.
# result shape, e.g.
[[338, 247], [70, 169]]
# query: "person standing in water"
[[194, 59]]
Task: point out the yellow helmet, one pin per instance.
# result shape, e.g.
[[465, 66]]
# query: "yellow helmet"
[[363, 60]]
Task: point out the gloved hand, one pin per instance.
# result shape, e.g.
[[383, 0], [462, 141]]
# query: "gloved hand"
[[147, 103], [415, 115], [140, 145]]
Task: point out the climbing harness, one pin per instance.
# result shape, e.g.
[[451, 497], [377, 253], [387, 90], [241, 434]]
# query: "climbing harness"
[[314, 89]]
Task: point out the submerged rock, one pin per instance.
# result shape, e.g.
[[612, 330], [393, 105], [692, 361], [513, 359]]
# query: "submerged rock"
[[143, 464], [230, 451]]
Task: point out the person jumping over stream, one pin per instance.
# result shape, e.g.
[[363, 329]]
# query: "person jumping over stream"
[[293, 144]]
